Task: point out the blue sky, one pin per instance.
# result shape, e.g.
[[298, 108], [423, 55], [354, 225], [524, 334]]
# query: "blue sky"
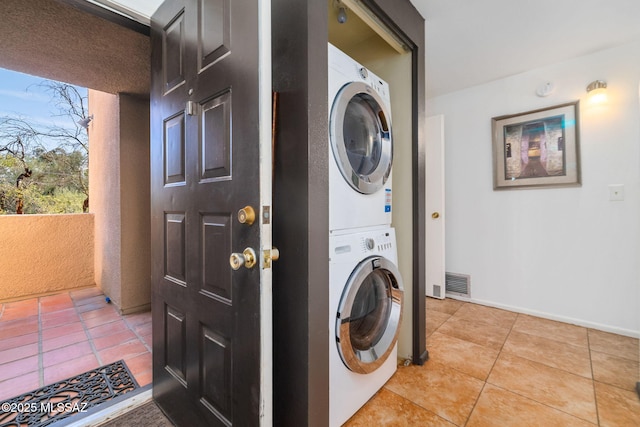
[[20, 96]]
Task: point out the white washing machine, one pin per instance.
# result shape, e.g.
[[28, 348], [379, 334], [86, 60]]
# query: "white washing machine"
[[361, 145], [365, 302]]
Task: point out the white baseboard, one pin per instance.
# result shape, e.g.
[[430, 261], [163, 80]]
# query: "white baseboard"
[[565, 319]]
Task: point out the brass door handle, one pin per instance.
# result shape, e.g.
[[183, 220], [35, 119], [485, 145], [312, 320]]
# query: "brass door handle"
[[435, 215], [246, 258]]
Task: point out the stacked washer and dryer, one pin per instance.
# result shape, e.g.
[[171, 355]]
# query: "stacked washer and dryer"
[[365, 287]]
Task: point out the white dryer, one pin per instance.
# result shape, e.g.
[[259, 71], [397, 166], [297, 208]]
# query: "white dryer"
[[361, 145], [365, 302]]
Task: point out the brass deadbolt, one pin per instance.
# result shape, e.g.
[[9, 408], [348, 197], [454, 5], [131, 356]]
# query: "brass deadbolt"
[[246, 215]]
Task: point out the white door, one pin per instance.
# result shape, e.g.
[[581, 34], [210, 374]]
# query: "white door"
[[435, 274]]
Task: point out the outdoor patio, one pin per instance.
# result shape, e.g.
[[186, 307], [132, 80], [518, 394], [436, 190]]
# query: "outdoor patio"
[[50, 338]]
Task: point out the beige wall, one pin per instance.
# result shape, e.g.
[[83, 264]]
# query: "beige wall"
[[119, 188], [135, 209], [42, 254], [395, 69]]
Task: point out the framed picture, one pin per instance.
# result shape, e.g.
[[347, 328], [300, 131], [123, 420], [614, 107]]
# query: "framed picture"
[[538, 148]]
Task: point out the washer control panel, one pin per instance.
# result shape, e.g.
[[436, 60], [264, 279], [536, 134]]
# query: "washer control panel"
[[379, 243], [356, 246]]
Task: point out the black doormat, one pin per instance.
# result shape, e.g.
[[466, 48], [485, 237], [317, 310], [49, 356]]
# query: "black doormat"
[[75, 395]]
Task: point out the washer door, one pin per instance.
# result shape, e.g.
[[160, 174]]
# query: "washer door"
[[360, 135], [369, 315]]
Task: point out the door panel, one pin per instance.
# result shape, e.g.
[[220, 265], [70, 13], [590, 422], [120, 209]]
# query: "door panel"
[[216, 138], [175, 349], [210, 146], [434, 165], [174, 150], [214, 37], [174, 253], [173, 44], [216, 356], [216, 244]]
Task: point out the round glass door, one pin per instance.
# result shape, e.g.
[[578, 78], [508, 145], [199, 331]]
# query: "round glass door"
[[369, 315], [360, 129]]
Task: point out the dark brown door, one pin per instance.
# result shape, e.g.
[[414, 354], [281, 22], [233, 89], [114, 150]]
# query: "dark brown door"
[[211, 158]]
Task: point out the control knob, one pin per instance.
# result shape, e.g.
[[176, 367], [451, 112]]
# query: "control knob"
[[370, 243]]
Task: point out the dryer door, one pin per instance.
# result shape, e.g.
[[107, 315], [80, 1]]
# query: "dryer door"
[[360, 135], [369, 315]]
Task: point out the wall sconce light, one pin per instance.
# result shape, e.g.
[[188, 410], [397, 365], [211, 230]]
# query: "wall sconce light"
[[597, 91], [85, 122]]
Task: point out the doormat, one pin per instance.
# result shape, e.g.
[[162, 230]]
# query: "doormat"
[[75, 395]]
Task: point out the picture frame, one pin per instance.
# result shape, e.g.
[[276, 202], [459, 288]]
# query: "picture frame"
[[538, 148]]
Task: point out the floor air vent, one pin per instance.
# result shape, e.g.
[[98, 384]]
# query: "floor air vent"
[[458, 284]]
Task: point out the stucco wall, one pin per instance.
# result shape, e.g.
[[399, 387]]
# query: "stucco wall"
[[42, 254], [119, 191], [104, 182], [135, 209]]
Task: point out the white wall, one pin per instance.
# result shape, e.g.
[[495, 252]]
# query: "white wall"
[[563, 253]]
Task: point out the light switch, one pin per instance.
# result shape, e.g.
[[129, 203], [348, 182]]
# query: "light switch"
[[616, 192]]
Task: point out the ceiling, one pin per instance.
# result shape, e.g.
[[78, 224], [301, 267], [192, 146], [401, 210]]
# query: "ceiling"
[[54, 40], [470, 42]]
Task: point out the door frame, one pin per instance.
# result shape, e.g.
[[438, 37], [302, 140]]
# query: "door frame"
[[301, 298]]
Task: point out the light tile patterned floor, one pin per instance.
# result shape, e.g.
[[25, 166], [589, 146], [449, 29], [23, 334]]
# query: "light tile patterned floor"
[[491, 367], [48, 339]]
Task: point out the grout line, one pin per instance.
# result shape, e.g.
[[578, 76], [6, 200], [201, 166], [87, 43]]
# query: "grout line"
[[541, 403], [144, 343], [493, 365], [136, 334], [473, 408], [593, 378], [410, 401], [86, 332], [40, 355]]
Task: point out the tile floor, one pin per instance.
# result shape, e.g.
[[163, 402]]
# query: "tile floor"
[[487, 367], [48, 339], [490, 367]]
